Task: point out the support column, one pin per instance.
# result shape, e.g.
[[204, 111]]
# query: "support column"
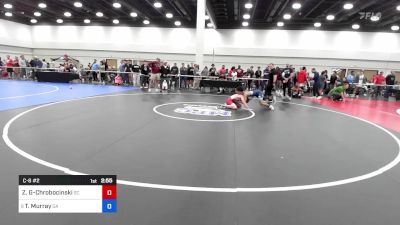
[[200, 32]]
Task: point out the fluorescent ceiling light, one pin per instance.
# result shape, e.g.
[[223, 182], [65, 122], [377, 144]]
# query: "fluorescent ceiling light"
[[99, 14], [374, 18], [245, 24], [42, 5], [296, 5], [115, 21], [34, 21], [355, 26], [78, 4], [280, 24], [60, 21], [8, 6], [9, 14], [348, 6], [147, 22], [287, 16], [248, 5], [207, 17], [178, 23], [117, 5], [330, 17], [395, 28], [210, 25], [317, 24], [86, 21], [246, 16], [169, 15], [67, 14], [37, 14], [133, 14], [157, 4]]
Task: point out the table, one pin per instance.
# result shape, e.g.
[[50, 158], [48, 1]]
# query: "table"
[[220, 83], [57, 77]]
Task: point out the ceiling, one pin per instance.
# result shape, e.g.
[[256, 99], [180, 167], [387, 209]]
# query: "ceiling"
[[225, 14]]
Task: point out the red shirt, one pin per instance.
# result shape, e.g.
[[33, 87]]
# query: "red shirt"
[[240, 72], [378, 79], [302, 77], [222, 72], [9, 63], [155, 67]]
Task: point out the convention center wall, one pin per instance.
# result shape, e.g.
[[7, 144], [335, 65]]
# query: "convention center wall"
[[312, 48]]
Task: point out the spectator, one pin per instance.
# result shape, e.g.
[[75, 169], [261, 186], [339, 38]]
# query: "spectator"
[[165, 71], [136, 73], [191, 73], [317, 82], [258, 75], [378, 80], [197, 73], [222, 72], [183, 71], [360, 80], [350, 77], [323, 82], [23, 65], [287, 76], [233, 74], [332, 80], [302, 77], [144, 78], [213, 71], [240, 72], [250, 75], [9, 65], [390, 80], [95, 70], [174, 78], [17, 70]]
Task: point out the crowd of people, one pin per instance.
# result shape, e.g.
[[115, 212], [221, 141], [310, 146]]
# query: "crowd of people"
[[287, 81]]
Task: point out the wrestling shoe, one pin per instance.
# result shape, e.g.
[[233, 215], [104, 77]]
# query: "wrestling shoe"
[[271, 107]]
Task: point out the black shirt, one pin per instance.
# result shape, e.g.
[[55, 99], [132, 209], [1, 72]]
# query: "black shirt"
[[390, 79], [212, 71], [190, 71], [258, 73], [128, 68], [287, 72], [270, 77], [165, 70], [250, 73], [145, 69], [174, 70], [136, 68]]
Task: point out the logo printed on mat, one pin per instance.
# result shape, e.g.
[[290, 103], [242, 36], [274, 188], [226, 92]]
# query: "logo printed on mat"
[[203, 110]]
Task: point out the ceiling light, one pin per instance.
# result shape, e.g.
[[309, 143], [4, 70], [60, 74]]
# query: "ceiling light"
[[210, 25], [133, 14], [398, 7], [42, 5], [178, 23], [86, 21], [169, 15], [296, 5], [374, 18], [8, 14], [348, 6], [117, 5], [317, 24], [115, 21], [245, 24], [330, 17], [78, 4], [355, 26], [99, 14], [248, 5], [37, 14], [207, 17], [8, 6], [280, 24], [246, 16], [147, 22], [395, 28], [287, 16], [67, 14], [33, 20], [60, 21], [157, 4]]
